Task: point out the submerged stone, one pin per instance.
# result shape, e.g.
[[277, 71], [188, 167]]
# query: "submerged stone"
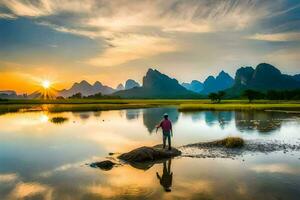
[[149, 154], [104, 165]]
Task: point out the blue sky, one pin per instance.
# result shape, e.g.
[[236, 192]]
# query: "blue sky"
[[112, 41]]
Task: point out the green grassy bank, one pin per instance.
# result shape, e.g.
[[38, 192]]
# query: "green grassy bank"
[[240, 106], [182, 105]]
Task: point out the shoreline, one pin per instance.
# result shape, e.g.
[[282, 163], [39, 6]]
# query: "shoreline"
[[78, 105]]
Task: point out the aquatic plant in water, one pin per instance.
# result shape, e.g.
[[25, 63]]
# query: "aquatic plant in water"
[[58, 120]]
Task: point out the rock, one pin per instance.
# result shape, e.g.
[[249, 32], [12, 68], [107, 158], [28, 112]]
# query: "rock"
[[149, 154], [104, 165]]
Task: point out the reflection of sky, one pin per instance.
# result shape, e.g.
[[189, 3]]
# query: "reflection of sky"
[[47, 161]]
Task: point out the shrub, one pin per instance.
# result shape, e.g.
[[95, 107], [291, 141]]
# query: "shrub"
[[58, 120], [231, 142]]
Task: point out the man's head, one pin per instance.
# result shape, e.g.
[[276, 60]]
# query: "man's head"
[[166, 115]]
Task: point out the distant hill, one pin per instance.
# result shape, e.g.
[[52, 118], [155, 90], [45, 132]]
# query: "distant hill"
[[264, 77], [8, 94], [222, 82], [194, 86], [120, 87], [131, 84], [86, 89], [157, 85], [296, 77]]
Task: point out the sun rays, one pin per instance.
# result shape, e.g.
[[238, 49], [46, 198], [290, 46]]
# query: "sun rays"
[[46, 91], [46, 84]]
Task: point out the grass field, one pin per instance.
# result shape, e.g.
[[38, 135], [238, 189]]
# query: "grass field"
[[182, 105], [240, 106]]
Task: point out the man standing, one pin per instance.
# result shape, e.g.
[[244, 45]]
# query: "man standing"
[[166, 126]]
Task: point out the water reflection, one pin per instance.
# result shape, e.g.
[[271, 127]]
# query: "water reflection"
[[166, 178], [263, 122], [132, 114], [40, 160], [223, 118], [58, 120], [83, 115], [151, 117]]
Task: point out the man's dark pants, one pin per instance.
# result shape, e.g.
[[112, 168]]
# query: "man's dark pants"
[[166, 134]]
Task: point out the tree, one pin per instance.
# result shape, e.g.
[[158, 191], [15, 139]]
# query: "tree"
[[283, 94], [95, 96], [213, 96], [216, 97], [60, 97], [253, 94], [220, 96], [76, 96]]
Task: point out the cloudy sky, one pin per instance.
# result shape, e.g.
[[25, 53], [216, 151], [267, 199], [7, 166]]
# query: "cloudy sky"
[[113, 40]]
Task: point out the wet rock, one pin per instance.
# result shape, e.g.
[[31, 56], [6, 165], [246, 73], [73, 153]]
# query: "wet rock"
[[146, 154], [104, 165]]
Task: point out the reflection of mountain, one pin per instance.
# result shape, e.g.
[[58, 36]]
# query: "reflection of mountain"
[[97, 114], [152, 116], [223, 118], [82, 115], [132, 114], [263, 122], [196, 116]]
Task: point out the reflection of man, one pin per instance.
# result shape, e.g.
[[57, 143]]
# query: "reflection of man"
[[167, 176], [166, 126]]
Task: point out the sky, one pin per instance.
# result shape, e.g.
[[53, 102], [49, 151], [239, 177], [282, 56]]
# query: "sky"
[[113, 40]]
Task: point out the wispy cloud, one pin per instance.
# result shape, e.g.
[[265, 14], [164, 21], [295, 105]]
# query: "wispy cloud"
[[277, 37], [7, 16], [135, 29], [132, 47], [28, 8], [134, 26]]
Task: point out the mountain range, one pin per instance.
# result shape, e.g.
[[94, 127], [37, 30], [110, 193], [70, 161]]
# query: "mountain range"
[[221, 82], [215, 84], [264, 77], [8, 94], [131, 84], [194, 86], [296, 77], [157, 85], [86, 89]]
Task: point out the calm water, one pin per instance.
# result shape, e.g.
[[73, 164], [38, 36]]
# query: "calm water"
[[43, 160]]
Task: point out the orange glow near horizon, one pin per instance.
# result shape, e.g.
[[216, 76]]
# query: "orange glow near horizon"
[[46, 84], [25, 84]]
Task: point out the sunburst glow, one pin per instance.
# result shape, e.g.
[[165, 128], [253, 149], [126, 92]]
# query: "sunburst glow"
[[46, 84]]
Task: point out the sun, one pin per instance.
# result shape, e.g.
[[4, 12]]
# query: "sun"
[[46, 84]]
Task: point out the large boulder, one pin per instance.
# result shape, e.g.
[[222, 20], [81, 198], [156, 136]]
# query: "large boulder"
[[149, 154]]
